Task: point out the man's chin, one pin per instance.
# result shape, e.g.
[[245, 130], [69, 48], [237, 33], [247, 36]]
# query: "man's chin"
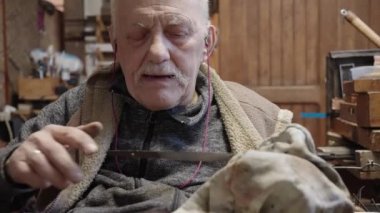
[[157, 100], [157, 104], [159, 107]]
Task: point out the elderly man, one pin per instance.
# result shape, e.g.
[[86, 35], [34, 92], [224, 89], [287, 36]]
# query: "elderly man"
[[159, 96]]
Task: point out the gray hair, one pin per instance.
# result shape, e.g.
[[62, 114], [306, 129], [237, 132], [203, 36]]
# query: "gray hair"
[[204, 4]]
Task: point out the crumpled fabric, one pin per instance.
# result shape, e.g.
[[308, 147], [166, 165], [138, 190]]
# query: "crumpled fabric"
[[283, 175]]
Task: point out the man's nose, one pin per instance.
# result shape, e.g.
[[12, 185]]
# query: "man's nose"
[[158, 51]]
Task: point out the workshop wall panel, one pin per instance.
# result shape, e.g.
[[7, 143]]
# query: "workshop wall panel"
[[278, 48]]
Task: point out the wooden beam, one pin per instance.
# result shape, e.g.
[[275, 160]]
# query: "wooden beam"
[[291, 94]]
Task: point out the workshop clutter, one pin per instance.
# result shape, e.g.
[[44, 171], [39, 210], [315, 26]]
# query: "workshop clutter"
[[354, 88], [359, 113], [52, 74], [353, 106], [55, 64]]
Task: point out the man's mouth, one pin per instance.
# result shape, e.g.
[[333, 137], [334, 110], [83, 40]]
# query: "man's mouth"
[[159, 77]]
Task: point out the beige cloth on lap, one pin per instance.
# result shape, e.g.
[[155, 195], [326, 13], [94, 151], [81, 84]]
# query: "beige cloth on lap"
[[284, 175]]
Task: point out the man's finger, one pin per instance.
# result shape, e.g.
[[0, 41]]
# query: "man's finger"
[[25, 175], [42, 167], [73, 137], [93, 128], [57, 155]]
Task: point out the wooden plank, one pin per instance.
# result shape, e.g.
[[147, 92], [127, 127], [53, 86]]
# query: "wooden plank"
[[264, 45], [365, 157], [276, 40], [368, 109], [288, 42], [366, 85], [327, 42], [328, 25], [253, 43], [327, 31], [346, 32], [224, 39], [312, 64], [342, 26], [290, 94], [233, 44], [243, 19], [367, 138], [346, 129], [313, 70], [337, 150], [300, 42]]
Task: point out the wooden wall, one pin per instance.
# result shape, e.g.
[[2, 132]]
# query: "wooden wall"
[[278, 48], [2, 65]]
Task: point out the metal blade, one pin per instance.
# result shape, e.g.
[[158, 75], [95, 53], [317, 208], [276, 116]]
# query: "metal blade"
[[171, 155]]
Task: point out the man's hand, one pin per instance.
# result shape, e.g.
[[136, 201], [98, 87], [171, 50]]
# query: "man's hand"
[[43, 159]]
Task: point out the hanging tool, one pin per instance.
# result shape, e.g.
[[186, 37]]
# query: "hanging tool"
[[361, 26]]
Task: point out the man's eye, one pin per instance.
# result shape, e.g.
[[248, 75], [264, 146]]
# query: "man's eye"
[[137, 36], [177, 34]]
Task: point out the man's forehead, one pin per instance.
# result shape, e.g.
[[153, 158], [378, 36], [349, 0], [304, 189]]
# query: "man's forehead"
[[192, 3], [146, 18], [189, 8]]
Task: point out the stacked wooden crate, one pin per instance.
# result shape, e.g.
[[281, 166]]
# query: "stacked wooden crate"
[[359, 122]]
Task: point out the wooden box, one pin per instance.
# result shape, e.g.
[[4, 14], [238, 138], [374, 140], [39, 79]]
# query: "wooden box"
[[368, 109], [37, 89], [365, 113], [368, 138], [366, 85]]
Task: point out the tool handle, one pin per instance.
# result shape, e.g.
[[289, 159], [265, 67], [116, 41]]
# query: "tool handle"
[[361, 26]]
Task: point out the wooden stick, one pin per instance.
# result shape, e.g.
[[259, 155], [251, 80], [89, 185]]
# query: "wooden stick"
[[361, 26]]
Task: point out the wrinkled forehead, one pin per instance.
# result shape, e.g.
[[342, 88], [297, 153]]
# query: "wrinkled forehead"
[[167, 11]]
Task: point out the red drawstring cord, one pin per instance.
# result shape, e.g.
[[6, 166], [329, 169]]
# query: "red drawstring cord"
[[205, 139], [116, 123], [116, 135]]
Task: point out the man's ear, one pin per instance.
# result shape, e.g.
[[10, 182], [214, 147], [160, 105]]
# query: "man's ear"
[[210, 41]]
